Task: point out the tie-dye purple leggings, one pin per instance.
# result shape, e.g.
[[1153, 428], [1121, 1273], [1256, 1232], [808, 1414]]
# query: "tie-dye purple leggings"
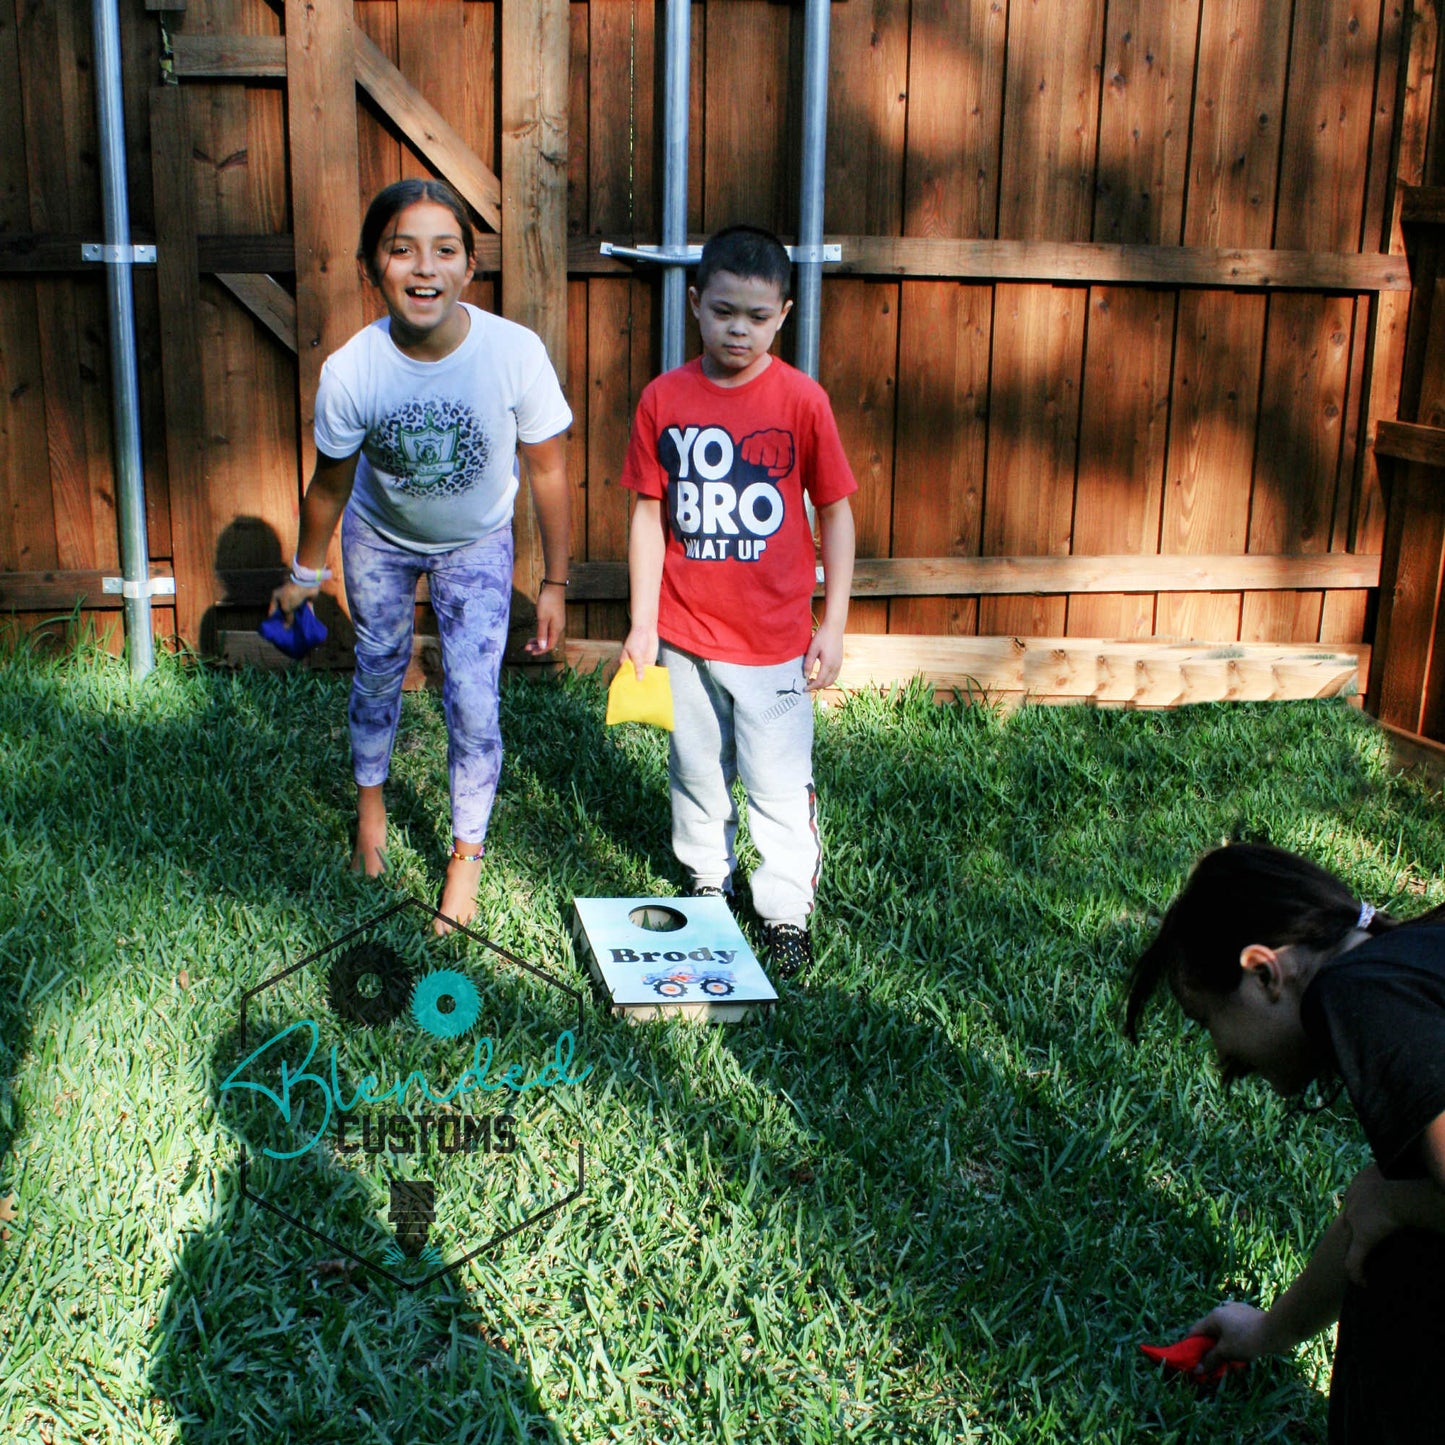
[[471, 595]]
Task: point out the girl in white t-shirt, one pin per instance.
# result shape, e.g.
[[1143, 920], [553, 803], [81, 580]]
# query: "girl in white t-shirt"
[[419, 419]]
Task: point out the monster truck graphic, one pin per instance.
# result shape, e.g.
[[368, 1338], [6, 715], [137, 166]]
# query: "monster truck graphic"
[[675, 981]]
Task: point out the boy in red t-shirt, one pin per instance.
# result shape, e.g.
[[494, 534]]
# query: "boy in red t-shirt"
[[722, 582]]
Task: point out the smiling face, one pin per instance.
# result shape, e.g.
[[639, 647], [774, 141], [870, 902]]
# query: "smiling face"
[[1256, 1029], [738, 317], [421, 267]]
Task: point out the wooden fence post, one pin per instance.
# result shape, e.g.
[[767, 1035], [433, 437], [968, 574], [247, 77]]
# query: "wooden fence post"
[[536, 76], [325, 189], [1406, 678]]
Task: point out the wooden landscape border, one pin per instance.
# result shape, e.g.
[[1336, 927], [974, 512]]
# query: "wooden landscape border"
[[1155, 673]]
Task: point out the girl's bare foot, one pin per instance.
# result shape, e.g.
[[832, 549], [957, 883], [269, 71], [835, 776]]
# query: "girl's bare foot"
[[369, 855], [459, 892]]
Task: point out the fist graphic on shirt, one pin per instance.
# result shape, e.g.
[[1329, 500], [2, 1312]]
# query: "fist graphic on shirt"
[[771, 450]]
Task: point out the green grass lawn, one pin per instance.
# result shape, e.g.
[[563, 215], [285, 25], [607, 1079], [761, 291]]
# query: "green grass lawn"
[[933, 1197]]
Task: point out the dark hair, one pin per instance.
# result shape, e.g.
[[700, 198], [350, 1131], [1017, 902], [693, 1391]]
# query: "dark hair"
[[749, 252], [392, 200], [1245, 893]]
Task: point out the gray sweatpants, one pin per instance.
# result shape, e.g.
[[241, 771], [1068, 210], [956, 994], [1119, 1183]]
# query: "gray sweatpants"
[[754, 723]]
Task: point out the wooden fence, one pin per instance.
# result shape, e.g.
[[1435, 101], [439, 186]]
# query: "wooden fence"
[[1123, 298]]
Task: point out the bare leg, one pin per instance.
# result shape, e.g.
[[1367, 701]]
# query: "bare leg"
[[370, 854], [459, 892]]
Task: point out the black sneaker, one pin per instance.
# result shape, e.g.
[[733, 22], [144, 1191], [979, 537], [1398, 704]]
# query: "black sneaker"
[[790, 950], [706, 890]]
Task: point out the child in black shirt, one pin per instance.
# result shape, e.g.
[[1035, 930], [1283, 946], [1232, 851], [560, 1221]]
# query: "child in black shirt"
[[1296, 980]]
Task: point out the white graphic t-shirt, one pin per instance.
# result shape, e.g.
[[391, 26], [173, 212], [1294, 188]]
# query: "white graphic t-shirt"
[[438, 439]]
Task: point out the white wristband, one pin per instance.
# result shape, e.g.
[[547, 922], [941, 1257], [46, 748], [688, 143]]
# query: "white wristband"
[[307, 576]]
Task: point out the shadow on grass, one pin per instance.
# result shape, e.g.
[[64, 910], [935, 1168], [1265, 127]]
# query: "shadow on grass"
[[933, 1194], [271, 1333]]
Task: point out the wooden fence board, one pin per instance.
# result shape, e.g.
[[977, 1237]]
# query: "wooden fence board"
[[1139, 197], [863, 186], [268, 301], [1148, 96], [892, 257], [321, 44], [1410, 442], [857, 355], [482, 90], [955, 113], [54, 50], [610, 337], [1389, 150], [1343, 615], [429, 38], [57, 590], [1038, 337], [181, 359], [1238, 267], [944, 334], [750, 117], [1144, 674], [612, 329], [955, 109], [1407, 62], [1328, 114], [1050, 122], [894, 577], [610, 56], [228, 57], [1408, 610], [1122, 438], [867, 98], [65, 421], [1306, 377], [27, 509], [1046, 169], [378, 151], [579, 134], [1308, 345], [536, 43], [1211, 447], [577, 362], [1239, 98]]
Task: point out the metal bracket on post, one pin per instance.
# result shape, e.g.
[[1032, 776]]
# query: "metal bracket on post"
[[118, 255], [144, 587], [691, 255]]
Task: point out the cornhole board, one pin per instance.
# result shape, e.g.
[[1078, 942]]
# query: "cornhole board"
[[652, 957]]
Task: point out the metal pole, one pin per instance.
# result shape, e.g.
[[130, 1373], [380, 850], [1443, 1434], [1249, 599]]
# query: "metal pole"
[[125, 392], [810, 199], [674, 176]]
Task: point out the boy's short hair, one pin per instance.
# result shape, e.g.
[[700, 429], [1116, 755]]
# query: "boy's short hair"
[[749, 252]]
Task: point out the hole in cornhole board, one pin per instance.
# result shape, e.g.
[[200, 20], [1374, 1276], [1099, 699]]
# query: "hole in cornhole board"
[[657, 919]]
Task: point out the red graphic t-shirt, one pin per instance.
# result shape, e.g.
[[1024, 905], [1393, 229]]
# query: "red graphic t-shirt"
[[733, 463]]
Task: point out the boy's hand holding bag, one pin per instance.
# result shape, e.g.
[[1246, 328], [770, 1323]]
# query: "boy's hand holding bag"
[[648, 700]]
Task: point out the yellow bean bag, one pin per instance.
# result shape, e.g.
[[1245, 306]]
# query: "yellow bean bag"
[[648, 701]]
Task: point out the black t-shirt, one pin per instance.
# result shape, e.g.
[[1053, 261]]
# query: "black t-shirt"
[[1376, 1017]]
